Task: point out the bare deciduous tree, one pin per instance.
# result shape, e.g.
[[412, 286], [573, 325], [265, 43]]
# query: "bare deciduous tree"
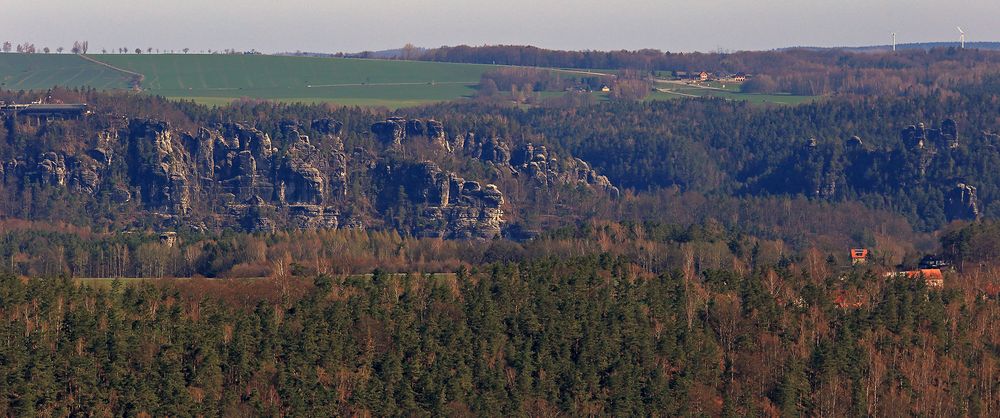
[[410, 52]]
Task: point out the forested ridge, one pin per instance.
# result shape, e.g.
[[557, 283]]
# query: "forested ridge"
[[845, 149], [801, 71], [578, 336]]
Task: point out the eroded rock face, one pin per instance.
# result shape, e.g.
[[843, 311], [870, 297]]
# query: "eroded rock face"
[[302, 181], [919, 136], [437, 135], [233, 175], [449, 206], [327, 126], [231, 166], [314, 217], [103, 153], [86, 175], [962, 203], [949, 132], [464, 209], [52, 169], [390, 132], [473, 211], [548, 170], [395, 132], [159, 166]]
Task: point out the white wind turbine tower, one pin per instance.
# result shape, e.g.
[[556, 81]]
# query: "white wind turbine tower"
[[894, 42], [962, 36]]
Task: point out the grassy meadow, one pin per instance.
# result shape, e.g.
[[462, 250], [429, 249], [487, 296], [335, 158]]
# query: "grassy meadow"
[[217, 79], [43, 71]]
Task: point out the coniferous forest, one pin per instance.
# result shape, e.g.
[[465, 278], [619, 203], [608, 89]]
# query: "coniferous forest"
[[488, 257]]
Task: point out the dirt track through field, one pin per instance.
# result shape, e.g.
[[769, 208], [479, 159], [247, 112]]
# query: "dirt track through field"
[[135, 76]]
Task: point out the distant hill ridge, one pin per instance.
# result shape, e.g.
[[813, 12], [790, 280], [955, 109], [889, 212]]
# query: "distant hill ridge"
[[989, 46]]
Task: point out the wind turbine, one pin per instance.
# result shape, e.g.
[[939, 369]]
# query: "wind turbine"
[[962, 36], [894, 42]]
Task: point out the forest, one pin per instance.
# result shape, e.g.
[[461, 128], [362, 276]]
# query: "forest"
[[589, 335], [530, 257]]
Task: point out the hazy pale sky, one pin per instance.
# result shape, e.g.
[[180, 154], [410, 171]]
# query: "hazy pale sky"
[[350, 26]]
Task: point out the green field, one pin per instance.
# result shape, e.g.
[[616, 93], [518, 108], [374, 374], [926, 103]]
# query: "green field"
[[218, 79], [728, 91], [43, 71]]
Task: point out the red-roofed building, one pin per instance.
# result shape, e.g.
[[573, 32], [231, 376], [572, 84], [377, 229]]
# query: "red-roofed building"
[[859, 256], [932, 277]]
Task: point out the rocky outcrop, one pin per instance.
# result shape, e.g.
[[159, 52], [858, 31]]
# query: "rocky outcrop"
[[103, 152], [300, 181], [394, 132], [962, 203], [327, 126], [254, 214], [437, 135], [159, 166], [949, 132], [449, 206], [390, 132], [235, 175], [314, 217], [86, 175], [919, 136], [463, 209], [536, 163], [52, 169], [474, 213], [545, 169], [468, 210]]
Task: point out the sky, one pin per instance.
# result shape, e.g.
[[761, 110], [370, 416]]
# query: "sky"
[[351, 26]]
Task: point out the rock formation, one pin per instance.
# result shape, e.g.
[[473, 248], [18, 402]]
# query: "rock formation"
[[527, 160], [394, 132], [919, 136], [159, 166], [449, 206], [962, 203], [390, 132], [234, 175], [52, 169]]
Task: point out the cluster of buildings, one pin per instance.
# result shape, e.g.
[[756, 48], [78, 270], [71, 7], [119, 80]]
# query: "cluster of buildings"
[[930, 270], [707, 76]]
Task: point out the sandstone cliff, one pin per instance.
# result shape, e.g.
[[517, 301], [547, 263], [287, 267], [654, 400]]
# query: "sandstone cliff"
[[300, 175]]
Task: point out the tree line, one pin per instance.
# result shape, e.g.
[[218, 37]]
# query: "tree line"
[[796, 71]]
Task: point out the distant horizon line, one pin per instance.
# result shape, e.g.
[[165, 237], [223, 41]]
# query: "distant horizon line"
[[233, 51]]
